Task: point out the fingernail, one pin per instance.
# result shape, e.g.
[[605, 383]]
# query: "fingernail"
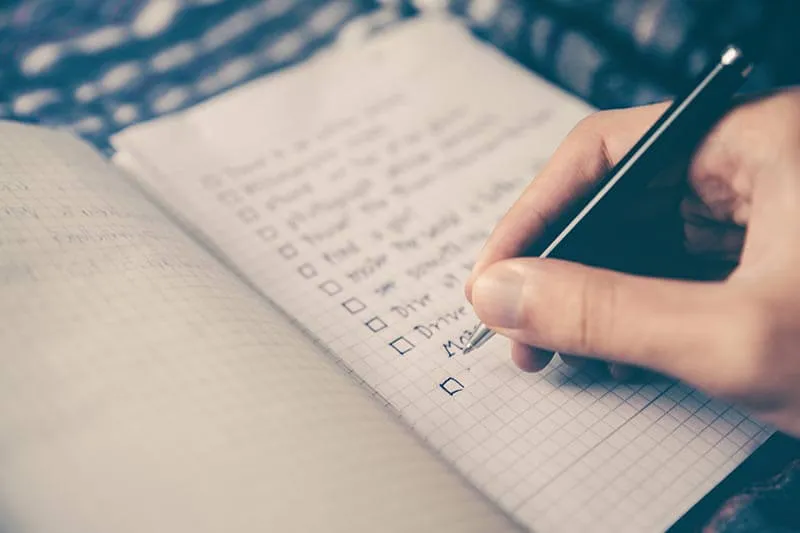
[[497, 296], [469, 286]]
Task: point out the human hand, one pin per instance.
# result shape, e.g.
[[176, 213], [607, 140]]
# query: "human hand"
[[738, 203]]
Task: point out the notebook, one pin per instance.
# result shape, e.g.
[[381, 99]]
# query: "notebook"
[[251, 318]]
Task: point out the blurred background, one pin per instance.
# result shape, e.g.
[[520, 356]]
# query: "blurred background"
[[96, 66]]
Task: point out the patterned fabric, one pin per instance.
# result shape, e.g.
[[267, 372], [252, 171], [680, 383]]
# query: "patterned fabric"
[[96, 66]]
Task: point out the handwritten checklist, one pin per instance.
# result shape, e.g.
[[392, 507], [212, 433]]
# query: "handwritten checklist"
[[360, 211]]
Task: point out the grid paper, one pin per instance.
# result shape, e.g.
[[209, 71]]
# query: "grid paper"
[[354, 192], [144, 388]]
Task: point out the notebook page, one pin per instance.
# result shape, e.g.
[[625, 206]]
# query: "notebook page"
[[355, 191], [144, 389]]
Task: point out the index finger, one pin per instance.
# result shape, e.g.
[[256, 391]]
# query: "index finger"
[[591, 149]]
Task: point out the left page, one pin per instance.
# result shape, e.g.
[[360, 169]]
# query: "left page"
[[354, 191], [144, 388]]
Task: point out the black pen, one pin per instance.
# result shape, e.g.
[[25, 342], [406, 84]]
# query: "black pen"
[[675, 134]]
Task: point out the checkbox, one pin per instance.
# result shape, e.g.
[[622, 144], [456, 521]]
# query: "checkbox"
[[247, 215], [229, 198], [268, 233], [331, 288], [375, 324], [451, 386], [354, 305], [307, 270], [211, 181], [401, 345], [288, 251]]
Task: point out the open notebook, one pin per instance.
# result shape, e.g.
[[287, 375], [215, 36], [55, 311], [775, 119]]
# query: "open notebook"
[[252, 319]]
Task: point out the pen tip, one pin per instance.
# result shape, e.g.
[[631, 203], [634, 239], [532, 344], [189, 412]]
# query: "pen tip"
[[478, 339]]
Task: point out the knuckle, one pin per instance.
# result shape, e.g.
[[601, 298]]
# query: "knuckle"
[[585, 147], [587, 127]]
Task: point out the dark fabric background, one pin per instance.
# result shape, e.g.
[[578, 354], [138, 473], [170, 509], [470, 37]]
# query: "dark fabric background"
[[95, 66]]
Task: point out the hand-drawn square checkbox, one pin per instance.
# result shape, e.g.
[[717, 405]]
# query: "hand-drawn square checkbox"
[[330, 288], [288, 251], [401, 345], [451, 386], [268, 233], [375, 324], [354, 305], [247, 215], [307, 270], [229, 198]]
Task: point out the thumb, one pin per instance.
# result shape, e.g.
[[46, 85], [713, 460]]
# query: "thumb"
[[665, 325]]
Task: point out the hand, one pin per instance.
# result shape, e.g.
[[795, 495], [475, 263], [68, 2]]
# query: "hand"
[[738, 204]]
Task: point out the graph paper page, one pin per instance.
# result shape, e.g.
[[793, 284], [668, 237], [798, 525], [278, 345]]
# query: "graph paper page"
[[355, 191], [143, 387]]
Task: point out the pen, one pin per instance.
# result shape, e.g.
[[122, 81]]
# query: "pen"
[[676, 133]]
